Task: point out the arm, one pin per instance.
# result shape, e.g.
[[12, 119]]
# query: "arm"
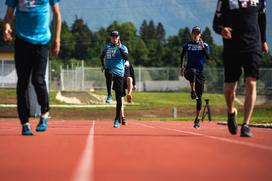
[[57, 29], [7, 32], [206, 51], [102, 60], [182, 69], [131, 69], [184, 50], [262, 26], [218, 19], [123, 53]]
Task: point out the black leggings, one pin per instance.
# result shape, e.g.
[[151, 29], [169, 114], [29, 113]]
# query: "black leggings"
[[118, 83], [199, 79], [108, 76], [30, 58]]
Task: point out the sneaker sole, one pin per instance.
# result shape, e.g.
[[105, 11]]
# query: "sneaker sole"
[[27, 134]]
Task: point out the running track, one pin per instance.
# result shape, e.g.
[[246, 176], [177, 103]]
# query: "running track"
[[149, 151]]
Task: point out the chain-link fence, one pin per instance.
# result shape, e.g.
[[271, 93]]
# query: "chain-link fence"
[[8, 76], [147, 79], [158, 79]]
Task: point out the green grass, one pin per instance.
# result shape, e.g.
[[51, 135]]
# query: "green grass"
[[155, 100], [7, 92], [166, 99]]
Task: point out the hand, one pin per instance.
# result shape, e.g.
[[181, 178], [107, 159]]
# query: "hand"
[[118, 43], [127, 63], [201, 43], [182, 70], [7, 35], [226, 33], [265, 47], [102, 68], [134, 87], [55, 49]]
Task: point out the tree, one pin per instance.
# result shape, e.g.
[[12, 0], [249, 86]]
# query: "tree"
[[82, 35], [151, 30], [141, 53], [160, 32], [144, 31], [207, 36], [67, 42]]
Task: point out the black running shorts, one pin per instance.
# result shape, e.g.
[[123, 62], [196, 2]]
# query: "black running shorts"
[[236, 62]]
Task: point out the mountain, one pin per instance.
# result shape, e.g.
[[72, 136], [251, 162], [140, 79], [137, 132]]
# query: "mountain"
[[174, 14]]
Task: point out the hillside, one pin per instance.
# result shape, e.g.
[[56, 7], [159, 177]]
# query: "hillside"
[[174, 14]]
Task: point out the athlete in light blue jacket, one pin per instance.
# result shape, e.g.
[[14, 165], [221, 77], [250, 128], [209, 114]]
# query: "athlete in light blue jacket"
[[115, 55]]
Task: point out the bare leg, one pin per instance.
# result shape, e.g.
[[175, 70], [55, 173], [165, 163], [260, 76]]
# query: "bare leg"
[[192, 86], [122, 109], [129, 84], [230, 89], [250, 98]]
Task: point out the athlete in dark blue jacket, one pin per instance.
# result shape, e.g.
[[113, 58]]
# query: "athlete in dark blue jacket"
[[197, 52]]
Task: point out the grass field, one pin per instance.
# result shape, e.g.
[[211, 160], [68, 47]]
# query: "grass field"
[[150, 106]]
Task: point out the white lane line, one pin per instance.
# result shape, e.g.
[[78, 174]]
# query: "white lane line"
[[254, 145], [144, 125], [84, 170]]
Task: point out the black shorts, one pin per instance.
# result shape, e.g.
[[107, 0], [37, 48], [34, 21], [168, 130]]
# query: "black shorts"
[[118, 85], [197, 77], [127, 72], [126, 75], [233, 64]]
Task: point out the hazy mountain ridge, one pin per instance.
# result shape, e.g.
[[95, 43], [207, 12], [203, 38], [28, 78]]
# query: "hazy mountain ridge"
[[174, 14]]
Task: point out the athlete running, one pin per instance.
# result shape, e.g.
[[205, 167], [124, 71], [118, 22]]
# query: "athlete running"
[[242, 25], [116, 54], [197, 52]]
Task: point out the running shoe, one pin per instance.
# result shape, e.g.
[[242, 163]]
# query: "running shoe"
[[124, 121], [129, 98], [26, 129], [245, 131], [193, 95], [232, 125], [42, 126], [109, 99], [116, 124], [196, 124]]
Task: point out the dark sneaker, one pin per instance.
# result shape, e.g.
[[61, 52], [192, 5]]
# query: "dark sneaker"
[[245, 131], [42, 126], [116, 124], [193, 95], [26, 129], [196, 124], [232, 125], [124, 121]]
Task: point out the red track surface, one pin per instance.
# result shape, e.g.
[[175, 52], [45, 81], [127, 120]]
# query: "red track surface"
[[152, 151]]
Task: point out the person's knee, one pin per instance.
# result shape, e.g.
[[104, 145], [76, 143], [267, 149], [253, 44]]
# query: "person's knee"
[[229, 89], [129, 80], [38, 81], [250, 82]]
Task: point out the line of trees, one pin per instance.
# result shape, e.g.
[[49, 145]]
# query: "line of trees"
[[149, 47]]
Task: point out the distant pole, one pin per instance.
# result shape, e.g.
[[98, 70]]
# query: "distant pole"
[[2, 72], [61, 79], [139, 77], [83, 74], [174, 112]]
